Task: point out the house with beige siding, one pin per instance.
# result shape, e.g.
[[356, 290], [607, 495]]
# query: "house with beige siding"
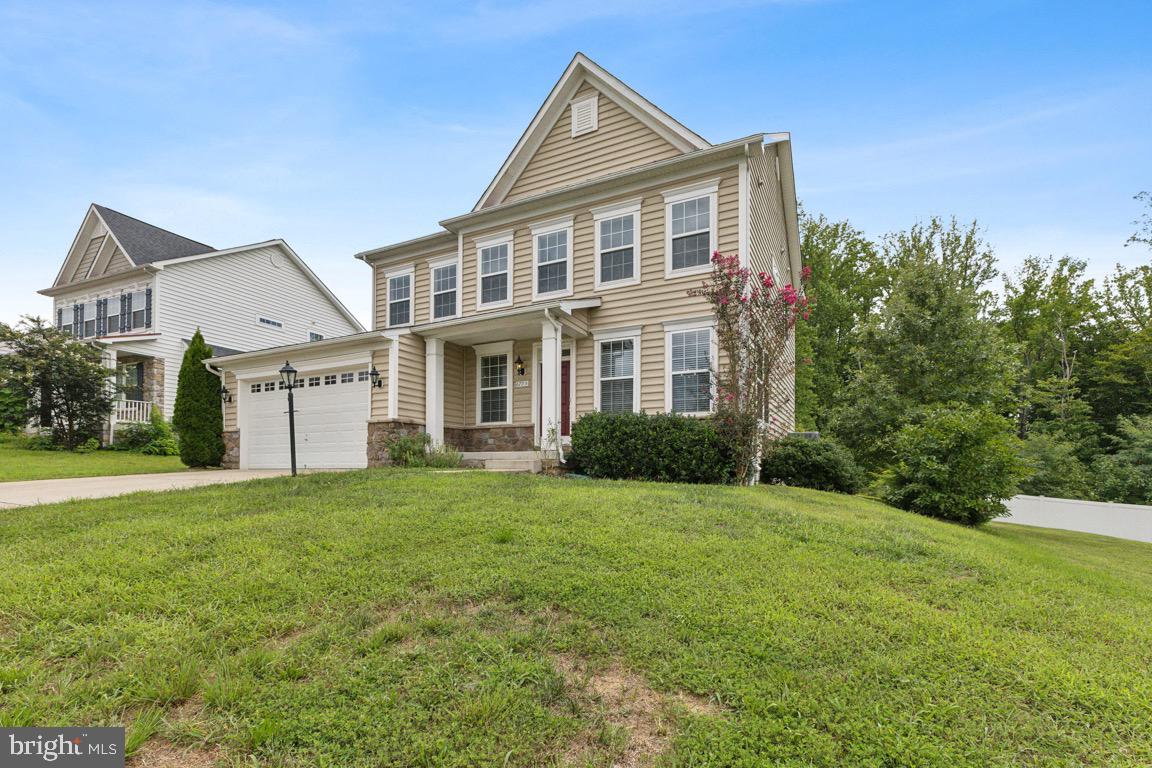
[[564, 290], [140, 292]]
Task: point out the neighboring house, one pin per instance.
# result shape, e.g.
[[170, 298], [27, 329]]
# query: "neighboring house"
[[565, 290], [140, 293]]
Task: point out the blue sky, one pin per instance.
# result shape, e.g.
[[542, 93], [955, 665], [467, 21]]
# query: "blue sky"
[[341, 126]]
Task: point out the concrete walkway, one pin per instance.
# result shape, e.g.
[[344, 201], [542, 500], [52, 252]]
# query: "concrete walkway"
[[26, 493]]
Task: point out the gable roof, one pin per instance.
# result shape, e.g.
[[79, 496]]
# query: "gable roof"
[[580, 70], [145, 243]]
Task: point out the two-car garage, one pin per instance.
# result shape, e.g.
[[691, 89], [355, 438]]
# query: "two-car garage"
[[331, 403]]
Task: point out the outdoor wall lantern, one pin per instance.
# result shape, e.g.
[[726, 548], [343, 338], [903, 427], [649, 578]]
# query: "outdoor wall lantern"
[[225, 395], [288, 378], [375, 376], [519, 365]]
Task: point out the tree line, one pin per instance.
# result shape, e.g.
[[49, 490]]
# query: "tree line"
[[925, 318]]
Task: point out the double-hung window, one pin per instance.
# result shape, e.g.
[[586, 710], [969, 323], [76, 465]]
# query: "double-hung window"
[[618, 356], [399, 299], [494, 260], [139, 306], [493, 383], [89, 319], [552, 270], [690, 362], [690, 229], [444, 295], [617, 244]]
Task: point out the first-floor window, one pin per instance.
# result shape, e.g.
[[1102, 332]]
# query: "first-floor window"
[[691, 376], [617, 375], [399, 300], [444, 291], [493, 388]]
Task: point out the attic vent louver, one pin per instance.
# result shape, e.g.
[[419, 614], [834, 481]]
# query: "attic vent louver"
[[585, 115]]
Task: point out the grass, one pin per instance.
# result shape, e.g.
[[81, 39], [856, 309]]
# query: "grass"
[[18, 463], [409, 618]]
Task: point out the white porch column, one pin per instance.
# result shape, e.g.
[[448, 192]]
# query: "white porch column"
[[434, 389], [550, 354], [108, 358]]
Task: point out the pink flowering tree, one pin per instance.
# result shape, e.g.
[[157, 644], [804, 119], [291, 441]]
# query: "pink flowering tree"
[[755, 319]]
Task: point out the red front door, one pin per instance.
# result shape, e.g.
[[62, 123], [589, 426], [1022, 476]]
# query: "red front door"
[[565, 399]]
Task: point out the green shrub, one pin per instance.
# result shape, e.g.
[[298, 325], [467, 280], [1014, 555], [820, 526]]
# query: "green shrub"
[[442, 457], [1126, 476], [638, 446], [154, 438], [409, 450], [821, 464], [197, 416], [13, 410], [1055, 469], [955, 463]]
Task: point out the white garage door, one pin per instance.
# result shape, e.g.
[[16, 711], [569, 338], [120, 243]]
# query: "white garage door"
[[331, 421]]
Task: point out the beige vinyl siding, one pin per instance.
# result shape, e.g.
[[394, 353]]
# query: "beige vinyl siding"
[[118, 263], [410, 395], [379, 406], [619, 142], [522, 396], [229, 380], [455, 390], [421, 288], [88, 258]]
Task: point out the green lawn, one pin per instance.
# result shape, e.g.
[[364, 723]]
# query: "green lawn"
[[18, 463], [407, 618]]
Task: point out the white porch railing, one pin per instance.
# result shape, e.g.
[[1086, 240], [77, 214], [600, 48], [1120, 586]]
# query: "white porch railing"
[[133, 410]]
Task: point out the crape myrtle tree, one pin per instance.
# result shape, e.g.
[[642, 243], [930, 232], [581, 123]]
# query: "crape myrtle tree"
[[197, 416], [61, 383], [755, 319]]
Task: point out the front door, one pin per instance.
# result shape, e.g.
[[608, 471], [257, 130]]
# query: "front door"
[[565, 398]]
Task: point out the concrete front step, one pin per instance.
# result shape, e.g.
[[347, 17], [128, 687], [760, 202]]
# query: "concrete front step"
[[502, 461]]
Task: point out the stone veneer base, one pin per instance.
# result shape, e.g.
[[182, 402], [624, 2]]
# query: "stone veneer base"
[[381, 433], [231, 449], [503, 438]]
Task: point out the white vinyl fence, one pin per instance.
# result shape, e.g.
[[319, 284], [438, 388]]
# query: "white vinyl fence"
[[1124, 521]]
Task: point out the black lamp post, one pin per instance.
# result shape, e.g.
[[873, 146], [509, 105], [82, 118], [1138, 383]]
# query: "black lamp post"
[[288, 378]]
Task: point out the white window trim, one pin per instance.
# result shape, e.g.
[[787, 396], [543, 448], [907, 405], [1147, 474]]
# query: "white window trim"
[[603, 213], [451, 261], [708, 189], [546, 228], [388, 278], [619, 334], [486, 350], [504, 238], [595, 99], [679, 326]]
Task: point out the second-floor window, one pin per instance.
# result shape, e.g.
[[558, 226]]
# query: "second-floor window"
[[494, 288], [400, 300], [552, 273], [617, 245], [139, 310], [444, 282], [89, 319], [690, 226]]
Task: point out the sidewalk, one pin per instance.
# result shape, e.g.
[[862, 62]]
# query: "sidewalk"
[[26, 493]]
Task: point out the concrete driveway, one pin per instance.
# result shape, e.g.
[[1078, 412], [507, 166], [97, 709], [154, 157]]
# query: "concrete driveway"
[[26, 493]]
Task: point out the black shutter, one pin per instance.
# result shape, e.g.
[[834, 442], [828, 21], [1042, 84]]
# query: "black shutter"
[[127, 321], [101, 313], [123, 313], [76, 329], [59, 318], [147, 307]]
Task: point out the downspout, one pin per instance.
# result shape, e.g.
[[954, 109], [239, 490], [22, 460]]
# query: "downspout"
[[559, 399], [217, 373]]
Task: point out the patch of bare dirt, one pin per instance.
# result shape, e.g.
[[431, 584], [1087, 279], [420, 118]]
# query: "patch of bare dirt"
[[631, 724], [161, 753]]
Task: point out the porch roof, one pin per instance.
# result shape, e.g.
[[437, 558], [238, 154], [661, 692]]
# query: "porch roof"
[[514, 323]]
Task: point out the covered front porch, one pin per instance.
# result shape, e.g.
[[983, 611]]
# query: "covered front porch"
[[139, 382], [504, 381]]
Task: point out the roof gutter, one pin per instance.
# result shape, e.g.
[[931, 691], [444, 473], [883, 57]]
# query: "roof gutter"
[[59, 290]]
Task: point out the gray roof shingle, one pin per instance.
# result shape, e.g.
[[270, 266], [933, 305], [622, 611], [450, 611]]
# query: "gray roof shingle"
[[145, 243]]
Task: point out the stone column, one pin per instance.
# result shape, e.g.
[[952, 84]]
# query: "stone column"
[[434, 389]]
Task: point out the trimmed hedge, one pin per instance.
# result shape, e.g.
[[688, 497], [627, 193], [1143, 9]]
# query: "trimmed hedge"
[[821, 464], [664, 447]]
